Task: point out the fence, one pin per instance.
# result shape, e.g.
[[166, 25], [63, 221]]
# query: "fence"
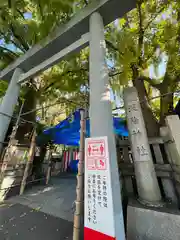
[[168, 173], [12, 176], [15, 165]]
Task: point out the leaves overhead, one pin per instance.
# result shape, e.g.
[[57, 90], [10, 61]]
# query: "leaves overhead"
[[146, 43], [23, 23], [142, 40]]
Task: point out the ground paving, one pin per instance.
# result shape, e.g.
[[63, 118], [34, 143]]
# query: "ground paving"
[[43, 212]]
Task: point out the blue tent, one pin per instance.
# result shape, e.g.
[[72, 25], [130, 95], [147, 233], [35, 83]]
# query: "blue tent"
[[67, 132]]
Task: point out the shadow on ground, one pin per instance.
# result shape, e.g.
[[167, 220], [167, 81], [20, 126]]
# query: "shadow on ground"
[[43, 212], [19, 222]]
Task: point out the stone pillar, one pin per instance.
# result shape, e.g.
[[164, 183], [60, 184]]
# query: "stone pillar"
[[166, 183], [173, 124], [101, 123], [8, 104], [146, 179], [173, 147]]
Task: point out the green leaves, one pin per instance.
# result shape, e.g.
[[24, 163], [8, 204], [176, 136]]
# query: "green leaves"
[[20, 33], [3, 87], [147, 38], [135, 42]]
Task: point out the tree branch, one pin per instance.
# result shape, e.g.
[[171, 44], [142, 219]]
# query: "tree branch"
[[63, 74], [177, 80], [141, 34], [20, 13], [152, 82], [86, 2], [16, 36], [9, 4], [111, 45], [9, 51], [11, 41], [155, 16], [19, 38], [150, 55], [114, 74], [40, 9]]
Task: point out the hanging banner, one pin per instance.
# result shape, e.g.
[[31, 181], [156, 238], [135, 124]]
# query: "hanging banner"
[[99, 217]]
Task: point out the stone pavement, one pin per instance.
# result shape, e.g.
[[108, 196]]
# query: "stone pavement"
[[43, 212]]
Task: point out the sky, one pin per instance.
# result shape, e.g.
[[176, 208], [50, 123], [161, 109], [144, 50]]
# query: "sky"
[[27, 15], [161, 68]]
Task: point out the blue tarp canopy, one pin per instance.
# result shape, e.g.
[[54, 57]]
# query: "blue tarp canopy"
[[67, 132]]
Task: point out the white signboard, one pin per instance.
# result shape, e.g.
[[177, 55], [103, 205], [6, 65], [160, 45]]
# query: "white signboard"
[[99, 221]]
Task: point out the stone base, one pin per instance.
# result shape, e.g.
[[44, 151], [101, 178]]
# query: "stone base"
[[152, 223]]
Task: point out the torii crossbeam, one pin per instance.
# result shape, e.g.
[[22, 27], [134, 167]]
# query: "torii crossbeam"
[[67, 34]]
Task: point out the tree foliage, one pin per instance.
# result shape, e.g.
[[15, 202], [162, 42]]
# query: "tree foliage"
[[24, 23], [141, 40], [146, 37]]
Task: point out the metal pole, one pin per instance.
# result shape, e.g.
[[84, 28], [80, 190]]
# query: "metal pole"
[[8, 104], [101, 113]]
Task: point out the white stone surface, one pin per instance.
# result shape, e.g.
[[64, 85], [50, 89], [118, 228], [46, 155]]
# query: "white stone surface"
[[152, 224], [101, 112], [173, 123], [8, 104], [147, 184]]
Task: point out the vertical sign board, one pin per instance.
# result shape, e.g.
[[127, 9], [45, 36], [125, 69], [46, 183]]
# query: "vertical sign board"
[[99, 217]]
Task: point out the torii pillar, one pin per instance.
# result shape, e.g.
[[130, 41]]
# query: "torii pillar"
[[8, 104], [101, 122]]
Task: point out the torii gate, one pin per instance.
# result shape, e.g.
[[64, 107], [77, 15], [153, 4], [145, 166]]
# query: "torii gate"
[[85, 28]]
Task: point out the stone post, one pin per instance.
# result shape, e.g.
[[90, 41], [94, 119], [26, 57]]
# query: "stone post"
[[173, 129], [8, 104], [148, 189], [168, 184], [173, 124], [101, 123], [48, 174]]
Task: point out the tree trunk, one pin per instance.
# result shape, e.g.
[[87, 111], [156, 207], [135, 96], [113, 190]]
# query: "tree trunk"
[[151, 122], [166, 103], [25, 129]]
